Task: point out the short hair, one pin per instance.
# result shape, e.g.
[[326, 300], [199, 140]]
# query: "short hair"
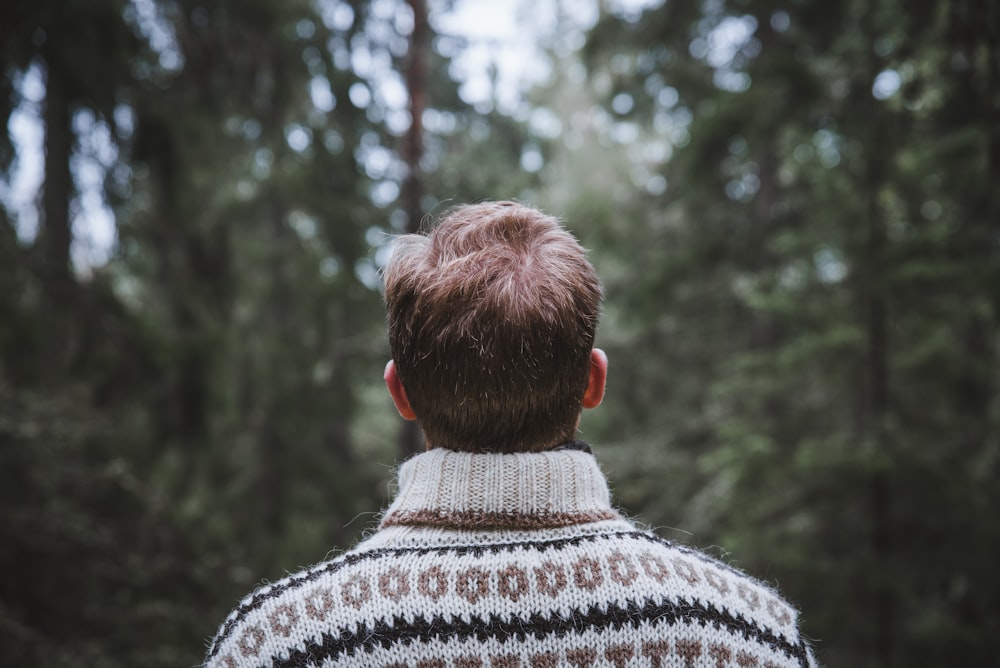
[[491, 320]]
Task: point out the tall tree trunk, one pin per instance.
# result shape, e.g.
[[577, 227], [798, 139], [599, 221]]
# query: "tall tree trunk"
[[877, 411], [56, 344], [991, 112], [413, 151], [876, 381], [416, 87], [55, 235]]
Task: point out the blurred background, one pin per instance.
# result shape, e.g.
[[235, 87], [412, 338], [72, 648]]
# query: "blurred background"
[[794, 206]]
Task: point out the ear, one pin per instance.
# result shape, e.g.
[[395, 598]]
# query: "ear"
[[594, 393], [397, 392]]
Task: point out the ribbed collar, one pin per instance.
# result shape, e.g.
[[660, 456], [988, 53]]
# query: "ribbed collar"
[[462, 490]]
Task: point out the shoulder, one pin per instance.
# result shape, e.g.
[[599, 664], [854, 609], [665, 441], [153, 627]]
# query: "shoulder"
[[270, 620], [710, 593], [706, 578]]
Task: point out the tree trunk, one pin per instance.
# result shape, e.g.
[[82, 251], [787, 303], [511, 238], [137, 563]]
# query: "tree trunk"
[[413, 151], [55, 235], [56, 344], [876, 381]]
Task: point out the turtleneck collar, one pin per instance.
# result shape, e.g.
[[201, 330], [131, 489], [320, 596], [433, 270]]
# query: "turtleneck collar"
[[462, 490]]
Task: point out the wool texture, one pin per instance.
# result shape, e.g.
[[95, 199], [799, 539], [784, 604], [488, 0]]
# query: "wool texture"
[[512, 561]]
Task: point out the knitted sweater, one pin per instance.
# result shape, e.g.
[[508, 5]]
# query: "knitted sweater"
[[511, 561]]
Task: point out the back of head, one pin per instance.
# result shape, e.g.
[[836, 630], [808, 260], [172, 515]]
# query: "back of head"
[[491, 321]]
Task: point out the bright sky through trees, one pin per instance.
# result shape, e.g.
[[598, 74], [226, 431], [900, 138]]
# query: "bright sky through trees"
[[499, 53]]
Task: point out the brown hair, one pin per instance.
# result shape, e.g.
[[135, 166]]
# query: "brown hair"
[[491, 321]]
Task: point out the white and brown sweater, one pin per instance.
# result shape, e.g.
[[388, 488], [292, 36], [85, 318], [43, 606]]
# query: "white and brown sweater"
[[511, 561]]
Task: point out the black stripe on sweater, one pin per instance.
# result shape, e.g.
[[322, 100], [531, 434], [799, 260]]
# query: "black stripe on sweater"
[[257, 599], [384, 634]]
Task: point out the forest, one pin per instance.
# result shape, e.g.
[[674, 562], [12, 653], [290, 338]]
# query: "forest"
[[794, 206]]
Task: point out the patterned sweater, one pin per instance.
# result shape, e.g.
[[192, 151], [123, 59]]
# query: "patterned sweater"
[[511, 561]]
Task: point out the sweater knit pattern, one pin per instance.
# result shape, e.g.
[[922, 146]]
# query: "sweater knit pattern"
[[511, 561]]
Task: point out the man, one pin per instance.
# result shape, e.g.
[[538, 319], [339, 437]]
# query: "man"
[[501, 548]]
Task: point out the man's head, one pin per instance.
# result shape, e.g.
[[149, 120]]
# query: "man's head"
[[491, 322]]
